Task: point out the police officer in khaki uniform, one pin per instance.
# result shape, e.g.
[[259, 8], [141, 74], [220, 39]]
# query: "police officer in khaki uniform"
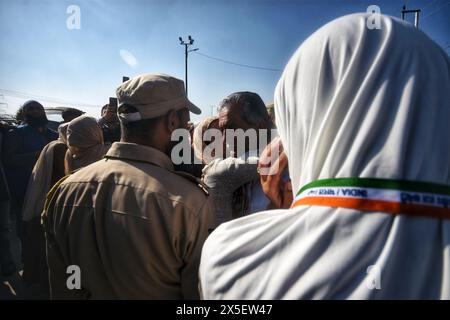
[[133, 226]]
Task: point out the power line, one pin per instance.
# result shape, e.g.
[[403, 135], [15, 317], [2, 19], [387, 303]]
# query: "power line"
[[237, 64], [20, 94], [436, 11], [430, 4]]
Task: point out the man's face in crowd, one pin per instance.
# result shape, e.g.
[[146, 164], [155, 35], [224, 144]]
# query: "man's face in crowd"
[[110, 114], [34, 115], [231, 117]]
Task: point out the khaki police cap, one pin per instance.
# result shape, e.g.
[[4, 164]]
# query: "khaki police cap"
[[153, 95]]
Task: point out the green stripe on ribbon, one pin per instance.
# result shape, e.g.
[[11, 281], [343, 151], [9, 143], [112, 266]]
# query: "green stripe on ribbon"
[[401, 185]]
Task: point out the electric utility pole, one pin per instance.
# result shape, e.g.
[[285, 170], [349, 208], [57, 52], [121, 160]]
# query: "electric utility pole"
[[186, 45]]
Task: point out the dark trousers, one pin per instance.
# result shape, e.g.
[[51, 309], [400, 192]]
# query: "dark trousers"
[[5, 233]]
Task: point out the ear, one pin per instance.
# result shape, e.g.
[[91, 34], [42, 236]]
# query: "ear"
[[173, 121]]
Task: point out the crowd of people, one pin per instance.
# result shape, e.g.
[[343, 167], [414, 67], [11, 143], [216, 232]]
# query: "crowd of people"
[[355, 203]]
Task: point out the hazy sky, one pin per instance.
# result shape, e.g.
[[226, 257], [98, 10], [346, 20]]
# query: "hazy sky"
[[39, 55]]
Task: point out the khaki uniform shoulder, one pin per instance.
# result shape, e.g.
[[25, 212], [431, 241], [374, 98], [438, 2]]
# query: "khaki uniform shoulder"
[[198, 182]]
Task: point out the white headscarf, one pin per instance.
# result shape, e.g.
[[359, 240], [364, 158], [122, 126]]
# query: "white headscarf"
[[352, 102], [198, 142]]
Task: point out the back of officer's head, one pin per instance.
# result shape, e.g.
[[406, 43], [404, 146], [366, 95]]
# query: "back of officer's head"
[[151, 107]]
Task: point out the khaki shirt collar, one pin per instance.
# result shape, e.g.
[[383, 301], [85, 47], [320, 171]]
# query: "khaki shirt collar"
[[137, 152]]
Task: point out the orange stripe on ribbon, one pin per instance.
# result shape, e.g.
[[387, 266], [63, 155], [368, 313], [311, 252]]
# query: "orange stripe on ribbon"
[[376, 205]]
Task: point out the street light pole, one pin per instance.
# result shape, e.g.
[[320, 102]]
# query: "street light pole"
[[186, 45], [186, 68], [416, 15]]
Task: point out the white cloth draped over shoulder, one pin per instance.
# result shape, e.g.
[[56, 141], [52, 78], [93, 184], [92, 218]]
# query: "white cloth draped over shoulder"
[[351, 102]]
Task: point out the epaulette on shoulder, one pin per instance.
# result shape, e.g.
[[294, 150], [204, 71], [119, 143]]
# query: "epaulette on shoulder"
[[198, 182]]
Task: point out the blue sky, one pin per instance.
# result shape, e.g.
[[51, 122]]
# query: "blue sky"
[[39, 55]]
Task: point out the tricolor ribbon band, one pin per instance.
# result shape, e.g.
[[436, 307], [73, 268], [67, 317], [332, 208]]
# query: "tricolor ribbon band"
[[367, 194]]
